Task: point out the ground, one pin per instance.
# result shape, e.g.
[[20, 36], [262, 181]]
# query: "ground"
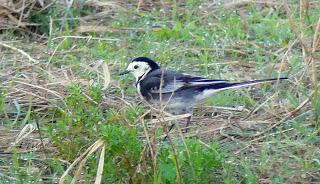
[[67, 116]]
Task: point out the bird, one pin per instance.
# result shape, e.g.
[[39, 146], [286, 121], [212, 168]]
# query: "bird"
[[177, 91]]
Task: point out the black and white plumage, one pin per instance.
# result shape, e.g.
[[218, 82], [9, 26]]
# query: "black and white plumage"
[[178, 92]]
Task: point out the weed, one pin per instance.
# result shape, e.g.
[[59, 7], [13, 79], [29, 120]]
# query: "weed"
[[82, 117]]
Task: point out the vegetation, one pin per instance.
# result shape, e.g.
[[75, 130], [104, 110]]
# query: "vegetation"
[[67, 116]]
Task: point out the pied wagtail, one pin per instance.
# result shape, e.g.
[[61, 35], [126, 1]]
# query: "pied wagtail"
[[178, 92]]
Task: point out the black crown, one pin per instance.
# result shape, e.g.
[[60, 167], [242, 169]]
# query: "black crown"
[[153, 65]]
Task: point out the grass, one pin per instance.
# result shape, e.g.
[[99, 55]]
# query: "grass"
[[68, 94]]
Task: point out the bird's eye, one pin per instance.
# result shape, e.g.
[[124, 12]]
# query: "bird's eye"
[[136, 67]]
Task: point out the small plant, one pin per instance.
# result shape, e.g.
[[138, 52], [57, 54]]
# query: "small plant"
[[123, 153], [197, 163], [80, 122]]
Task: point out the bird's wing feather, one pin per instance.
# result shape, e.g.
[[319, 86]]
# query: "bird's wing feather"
[[172, 81]]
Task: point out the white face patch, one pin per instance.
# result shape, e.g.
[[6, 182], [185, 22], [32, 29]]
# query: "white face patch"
[[138, 69]]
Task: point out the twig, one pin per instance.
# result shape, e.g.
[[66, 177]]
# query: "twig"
[[100, 166], [54, 51], [25, 132], [83, 157], [166, 119], [259, 106], [83, 29], [293, 28], [39, 87], [20, 51], [8, 177], [230, 137], [286, 117], [40, 135], [86, 37]]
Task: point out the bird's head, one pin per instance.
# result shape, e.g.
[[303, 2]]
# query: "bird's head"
[[141, 66]]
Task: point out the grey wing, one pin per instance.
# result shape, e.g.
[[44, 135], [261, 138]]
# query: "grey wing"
[[171, 81], [161, 81]]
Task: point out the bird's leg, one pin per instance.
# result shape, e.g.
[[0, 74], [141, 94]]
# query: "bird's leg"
[[187, 124], [170, 128], [190, 111]]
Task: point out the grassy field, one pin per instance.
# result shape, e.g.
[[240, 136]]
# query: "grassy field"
[[67, 116]]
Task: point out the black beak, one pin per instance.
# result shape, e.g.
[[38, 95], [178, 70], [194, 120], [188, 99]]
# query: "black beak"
[[124, 72]]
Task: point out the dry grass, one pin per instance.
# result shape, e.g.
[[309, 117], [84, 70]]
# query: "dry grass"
[[15, 14], [30, 78]]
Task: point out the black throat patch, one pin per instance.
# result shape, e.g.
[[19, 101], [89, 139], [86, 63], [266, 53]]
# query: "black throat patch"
[[153, 66], [140, 78]]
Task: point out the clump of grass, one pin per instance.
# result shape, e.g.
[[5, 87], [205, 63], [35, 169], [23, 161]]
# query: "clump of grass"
[[80, 121], [125, 152]]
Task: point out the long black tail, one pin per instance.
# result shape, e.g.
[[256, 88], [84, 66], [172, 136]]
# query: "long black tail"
[[227, 85], [260, 81]]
